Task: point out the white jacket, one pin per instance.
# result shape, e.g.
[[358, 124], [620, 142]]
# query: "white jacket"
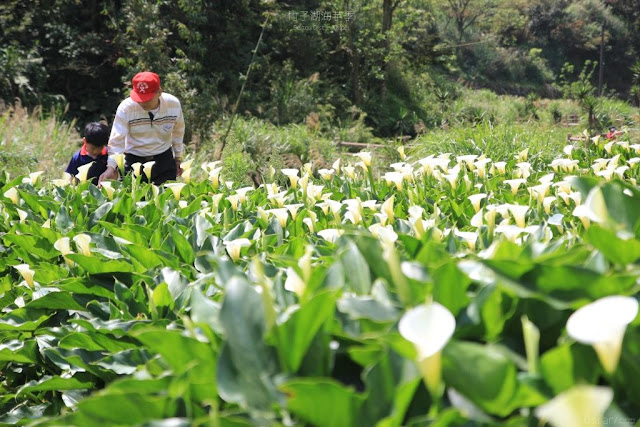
[[135, 132]]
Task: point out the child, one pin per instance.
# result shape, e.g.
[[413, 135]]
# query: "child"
[[94, 149]]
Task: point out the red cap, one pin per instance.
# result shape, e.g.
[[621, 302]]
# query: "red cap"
[[145, 85]]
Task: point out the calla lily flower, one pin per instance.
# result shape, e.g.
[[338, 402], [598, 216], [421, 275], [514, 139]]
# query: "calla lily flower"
[[22, 215], [235, 246], [136, 169], [294, 282], [119, 158], [336, 165], [330, 234], [396, 178], [82, 242], [350, 171], [469, 237], [176, 188], [365, 156], [293, 209], [242, 193], [522, 156], [147, 168], [12, 194], [282, 214], [292, 174], [35, 177], [214, 177], [579, 406], [386, 234], [64, 247], [387, 209], [429, 328], [27, 274], [304, 182], [475, 200], [583, 212], [106, 185], [83, 171], [310, 220], [519, 212], [234, 199], [186, 165], [60, 182], [602, 324], [499, 168], [400, 151], [186, 175], [326, 173]]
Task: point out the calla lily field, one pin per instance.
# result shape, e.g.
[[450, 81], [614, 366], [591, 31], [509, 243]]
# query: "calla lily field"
[[444, 290]]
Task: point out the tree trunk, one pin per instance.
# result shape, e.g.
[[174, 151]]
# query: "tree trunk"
[[601, 70], [354, 55], [387, 14]]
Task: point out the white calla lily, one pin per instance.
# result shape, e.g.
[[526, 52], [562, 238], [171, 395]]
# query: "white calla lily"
[[147, 168], [82, 242], [429, 328], [577, 407], [27, 274], [602, 324], [235, 246], [176, 188]]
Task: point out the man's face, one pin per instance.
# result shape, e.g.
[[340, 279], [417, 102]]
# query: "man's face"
[[152, 103], [94, 150]]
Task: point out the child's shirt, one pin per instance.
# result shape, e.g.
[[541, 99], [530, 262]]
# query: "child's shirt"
[[82, 157]]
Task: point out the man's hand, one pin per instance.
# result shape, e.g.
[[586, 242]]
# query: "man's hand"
[[178, 168], [110, 173]]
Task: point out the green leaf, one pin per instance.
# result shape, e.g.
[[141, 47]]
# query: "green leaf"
[[359, 277], [182, 246], [245, 365], [24, 319], [95, 265], [617, 250], [37, 246], [298, 329], [323, 402], [482, 374], [19, 351], [185, 354], [450, 287], [54, 383], [567, 365]]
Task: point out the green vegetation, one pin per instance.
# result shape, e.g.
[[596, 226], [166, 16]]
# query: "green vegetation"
[[454, 289]]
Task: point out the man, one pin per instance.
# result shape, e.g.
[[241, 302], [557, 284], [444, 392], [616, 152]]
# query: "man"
[[148, 126]]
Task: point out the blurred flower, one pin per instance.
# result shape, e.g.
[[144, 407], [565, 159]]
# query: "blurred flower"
[[429, 328], [235, 246], [602, 324], [330, 234], [577, 407]]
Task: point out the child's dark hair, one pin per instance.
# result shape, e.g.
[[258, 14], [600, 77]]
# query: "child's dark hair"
[[97, 134]]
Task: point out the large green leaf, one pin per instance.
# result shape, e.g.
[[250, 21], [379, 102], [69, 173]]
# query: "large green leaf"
[[323, 402], [296, 331], [482, 374], [95, 265], [245, 365]]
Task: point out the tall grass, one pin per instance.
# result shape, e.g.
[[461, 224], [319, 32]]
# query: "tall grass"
[[32, 141]]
